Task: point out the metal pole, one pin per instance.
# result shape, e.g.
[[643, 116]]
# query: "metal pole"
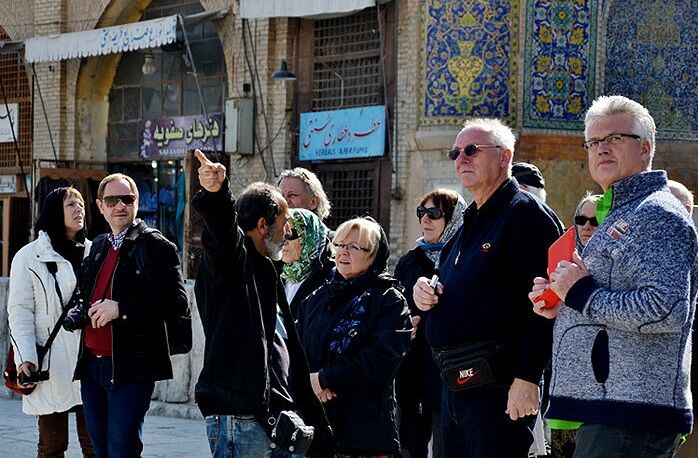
[[196, 80], [43, 109]]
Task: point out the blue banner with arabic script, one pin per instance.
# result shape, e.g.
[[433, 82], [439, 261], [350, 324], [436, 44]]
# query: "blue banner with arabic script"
[[173, 137], [343, 134]]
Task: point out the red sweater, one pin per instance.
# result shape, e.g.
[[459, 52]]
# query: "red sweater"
[[98, 341]]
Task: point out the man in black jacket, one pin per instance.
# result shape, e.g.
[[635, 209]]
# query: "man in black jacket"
[[134, 281], [479, 310], [254, 366]]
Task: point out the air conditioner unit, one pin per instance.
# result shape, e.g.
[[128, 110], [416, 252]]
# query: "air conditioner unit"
[[239, 125]]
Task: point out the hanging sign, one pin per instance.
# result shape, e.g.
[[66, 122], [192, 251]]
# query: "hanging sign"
[[173, 137], [8, 184], [98, 42], [343, 134], [9, 112]]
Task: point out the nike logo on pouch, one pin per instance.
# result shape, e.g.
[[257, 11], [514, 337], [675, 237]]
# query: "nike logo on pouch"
[[463, 381]]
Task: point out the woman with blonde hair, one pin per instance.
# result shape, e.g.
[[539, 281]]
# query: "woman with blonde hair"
[[355, 330]]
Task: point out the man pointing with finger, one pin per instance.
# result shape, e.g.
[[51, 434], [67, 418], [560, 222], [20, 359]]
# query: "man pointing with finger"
[[254, 366]]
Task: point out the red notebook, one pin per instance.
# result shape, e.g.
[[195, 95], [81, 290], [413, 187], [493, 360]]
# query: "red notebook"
[[561, 249]]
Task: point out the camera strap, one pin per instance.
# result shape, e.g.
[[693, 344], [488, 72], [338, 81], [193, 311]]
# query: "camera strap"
[[42, 350]]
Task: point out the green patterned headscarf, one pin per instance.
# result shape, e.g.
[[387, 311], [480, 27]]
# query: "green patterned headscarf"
[[313, 237]]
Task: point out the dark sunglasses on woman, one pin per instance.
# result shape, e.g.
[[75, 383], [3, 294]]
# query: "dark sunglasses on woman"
[[581, 220], [431, 212]]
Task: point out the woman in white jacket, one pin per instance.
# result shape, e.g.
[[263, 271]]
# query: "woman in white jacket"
[[34, 307]]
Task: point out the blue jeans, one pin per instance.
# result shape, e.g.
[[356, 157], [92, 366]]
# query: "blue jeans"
[[615, 442], [114, 413], [474, 424], [239, 437]]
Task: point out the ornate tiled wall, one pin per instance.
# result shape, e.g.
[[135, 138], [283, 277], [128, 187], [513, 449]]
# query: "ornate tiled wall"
[[652, 57], [469, 59], [559, 68]]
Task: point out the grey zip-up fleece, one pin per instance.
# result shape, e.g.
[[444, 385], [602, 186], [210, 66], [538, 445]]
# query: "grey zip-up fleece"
[[622, 342]]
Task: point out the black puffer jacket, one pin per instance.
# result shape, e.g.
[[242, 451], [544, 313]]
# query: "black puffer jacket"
[[148, 291], [419, 378], [355, 333], [238, 291]]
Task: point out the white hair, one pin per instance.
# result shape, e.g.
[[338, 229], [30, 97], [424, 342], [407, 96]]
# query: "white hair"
[[538, 193], [643, 123], [312, 185], [500, 134]]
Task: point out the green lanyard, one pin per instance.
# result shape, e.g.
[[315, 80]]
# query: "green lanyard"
[[603, 205]]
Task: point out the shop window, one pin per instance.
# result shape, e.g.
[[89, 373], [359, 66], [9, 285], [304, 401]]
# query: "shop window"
[[170, 90]]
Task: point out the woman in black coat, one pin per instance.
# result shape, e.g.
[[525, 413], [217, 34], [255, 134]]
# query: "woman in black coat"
[[440, 214], [355, 330], [307, 257]]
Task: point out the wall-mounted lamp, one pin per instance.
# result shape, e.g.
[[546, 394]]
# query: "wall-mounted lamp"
[[148, 67], [283, 74]]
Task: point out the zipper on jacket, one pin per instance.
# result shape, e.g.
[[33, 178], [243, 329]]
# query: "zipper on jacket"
[[42, 287]]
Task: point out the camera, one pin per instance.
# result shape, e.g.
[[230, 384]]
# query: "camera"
[[77, 317], [32, 378]]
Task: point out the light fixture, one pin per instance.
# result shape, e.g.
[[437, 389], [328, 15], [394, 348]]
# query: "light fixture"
[[283, 74], [148, 67]]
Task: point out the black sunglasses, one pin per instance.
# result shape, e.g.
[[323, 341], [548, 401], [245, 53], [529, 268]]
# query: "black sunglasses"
[[111, 201], [469, 150], [431, 212], [293, 235], [581, 220]]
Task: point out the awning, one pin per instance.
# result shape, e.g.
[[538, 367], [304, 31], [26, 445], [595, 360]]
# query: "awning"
[[98, 42], [254, 9]]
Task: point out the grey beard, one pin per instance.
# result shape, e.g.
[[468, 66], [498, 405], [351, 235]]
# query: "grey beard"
[[274, 248]]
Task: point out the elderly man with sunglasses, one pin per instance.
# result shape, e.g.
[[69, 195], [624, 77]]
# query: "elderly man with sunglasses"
[[491, 347], [133, 281], [622, 340]]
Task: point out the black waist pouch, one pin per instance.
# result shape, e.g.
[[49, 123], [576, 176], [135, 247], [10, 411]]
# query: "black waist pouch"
[[468, 366]]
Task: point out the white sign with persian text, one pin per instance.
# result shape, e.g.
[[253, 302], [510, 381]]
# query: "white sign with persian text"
[[9, 112]]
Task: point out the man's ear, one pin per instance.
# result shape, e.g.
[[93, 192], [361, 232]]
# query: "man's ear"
[[99, 205], [507, 155], [645, 149], [314, 202], [262, 226]]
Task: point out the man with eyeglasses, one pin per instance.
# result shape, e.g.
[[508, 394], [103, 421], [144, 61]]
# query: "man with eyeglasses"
[[254, 366], [133, 281], [479, 313], [622, 333]]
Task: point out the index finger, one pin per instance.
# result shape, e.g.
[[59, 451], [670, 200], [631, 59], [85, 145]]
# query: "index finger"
[[203, 160]]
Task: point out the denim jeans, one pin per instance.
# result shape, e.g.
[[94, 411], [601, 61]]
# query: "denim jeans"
[[474, 424], [114, 413], [616, 442], [239, 437]]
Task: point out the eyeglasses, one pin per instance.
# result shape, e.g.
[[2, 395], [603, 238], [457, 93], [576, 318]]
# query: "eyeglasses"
[[610, 139], [293, 235], [431, 212], [581, 220], [469, 150], [111, 201], [350, 247]]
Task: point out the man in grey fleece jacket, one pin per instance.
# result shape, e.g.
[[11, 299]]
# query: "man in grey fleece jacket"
[[622, 337]]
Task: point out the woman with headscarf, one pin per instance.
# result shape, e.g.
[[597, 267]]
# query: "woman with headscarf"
[[307, 257], [34, 307], [440, 214], [355, 330]]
